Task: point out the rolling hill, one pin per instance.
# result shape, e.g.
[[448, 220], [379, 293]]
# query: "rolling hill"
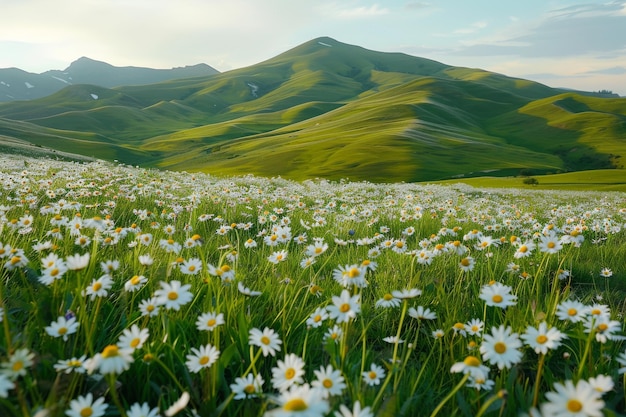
[[333, 110]]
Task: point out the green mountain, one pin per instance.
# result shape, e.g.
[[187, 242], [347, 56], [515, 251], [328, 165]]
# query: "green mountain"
[[16, 84], [332, 110]]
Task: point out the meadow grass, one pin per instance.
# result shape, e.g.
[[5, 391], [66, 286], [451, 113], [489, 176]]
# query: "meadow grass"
[[131, 292]]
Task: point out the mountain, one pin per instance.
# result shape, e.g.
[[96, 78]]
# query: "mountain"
[[333, 110], [16, 84]]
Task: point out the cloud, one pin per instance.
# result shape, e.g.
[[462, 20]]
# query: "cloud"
[[362, 12], [609, 71], [473, 28]]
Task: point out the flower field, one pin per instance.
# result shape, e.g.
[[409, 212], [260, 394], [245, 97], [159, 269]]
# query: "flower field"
[[136, 292]]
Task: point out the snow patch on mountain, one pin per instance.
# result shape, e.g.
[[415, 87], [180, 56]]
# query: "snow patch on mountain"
[[254, 89], [94, 96], [28, 85], [60, 79]]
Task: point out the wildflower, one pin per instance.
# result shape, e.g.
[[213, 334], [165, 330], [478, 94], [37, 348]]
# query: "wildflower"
[[19, 361], [438, 334], [300, 401], [550, 243], [317, 317], [109, 266], [329, 381], [542, 339], [277, 257], [606, 273], [145, 260], [247, 291], [288, 372], [149, 307], [524, 250], [480, 383], [602, 383], [388, 301], [407, 293], [267, 340], [573, 400], [500, 347], [248, 387], [344, 307], [191, 266], [209, 321], [571, 310], [133, 338], [348, 275], [62, 327], [5, 385], [112, 360], [178, 405], [334, 333], [497, 295], [76, 262], [316, 249], [356, 411], [422, 313], [307, 262], [225, 272], [142, 410], [603, 327], [74, 364], [393, 339], [86, 406], [135, 283], [467, 264], [202, 358], [173, 295], [474, 327], [471, 365], [374, 375], [99, 287]]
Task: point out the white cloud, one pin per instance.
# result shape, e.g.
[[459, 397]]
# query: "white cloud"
[[362, 12]]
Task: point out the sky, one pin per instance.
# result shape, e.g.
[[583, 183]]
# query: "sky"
[[561, 43]]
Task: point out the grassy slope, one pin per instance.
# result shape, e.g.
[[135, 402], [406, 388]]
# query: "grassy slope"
[[339, 112]]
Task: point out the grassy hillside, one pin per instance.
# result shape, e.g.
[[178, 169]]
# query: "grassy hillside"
[[328, 109]]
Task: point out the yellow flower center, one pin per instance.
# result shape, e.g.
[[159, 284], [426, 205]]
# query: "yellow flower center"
[[290, 373], [203, 360], [551, 245], [523, 249], [497, 298], [135, 342], [318, 250], [211, 322], [574, 406], [17, 366], [471, 361], [54, 272], [297, 404], [465, 262], [86, 412], [327, 383], [62, 331], [459, 326], [387, 297], [150, 308], [572, 312], [96, 286], [135, 280], [317, 318], [354, 272], [192, 268], [110, 351], [541, 339], [499, 347], [596, 312], [372, 374], [602, 327], [249, 389], [173, 295], [265, 340], [344, 308]]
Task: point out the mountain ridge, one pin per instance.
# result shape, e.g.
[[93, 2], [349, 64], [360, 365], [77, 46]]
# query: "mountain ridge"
[[334, 110]]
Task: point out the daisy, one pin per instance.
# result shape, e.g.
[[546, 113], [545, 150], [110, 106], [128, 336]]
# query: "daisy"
[[99, 287], [374, 375], [18, 363], [422, 313], [112, 360], [524, 250], [209, 321], [467, 264], [142, 410], [348, 275], [542, 339], [471, 365], [53, 272], [602, 383], [317, 317], [480, 383], [497, 295], [474, 327], [500, 347], [300, 401], [329, 381], [335, 333], [249, 387], [133, 338], [316, 249], [5, 385], [267, 340], [247, 291], [63, 327], [388, 301], [550, 243], [74, 364], [202, 358], [407, 293], [288, 372], [344, 307], [135, 283], [571, 310], [178, 405], [606, 273], [573, 400], [145, 260], [356, 411], [173, 294], [191, 266], [86, 406], [277, 257], [109, 266], [149, 307]]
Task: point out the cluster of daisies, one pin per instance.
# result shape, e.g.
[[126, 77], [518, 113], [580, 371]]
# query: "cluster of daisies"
[[176, 246]]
